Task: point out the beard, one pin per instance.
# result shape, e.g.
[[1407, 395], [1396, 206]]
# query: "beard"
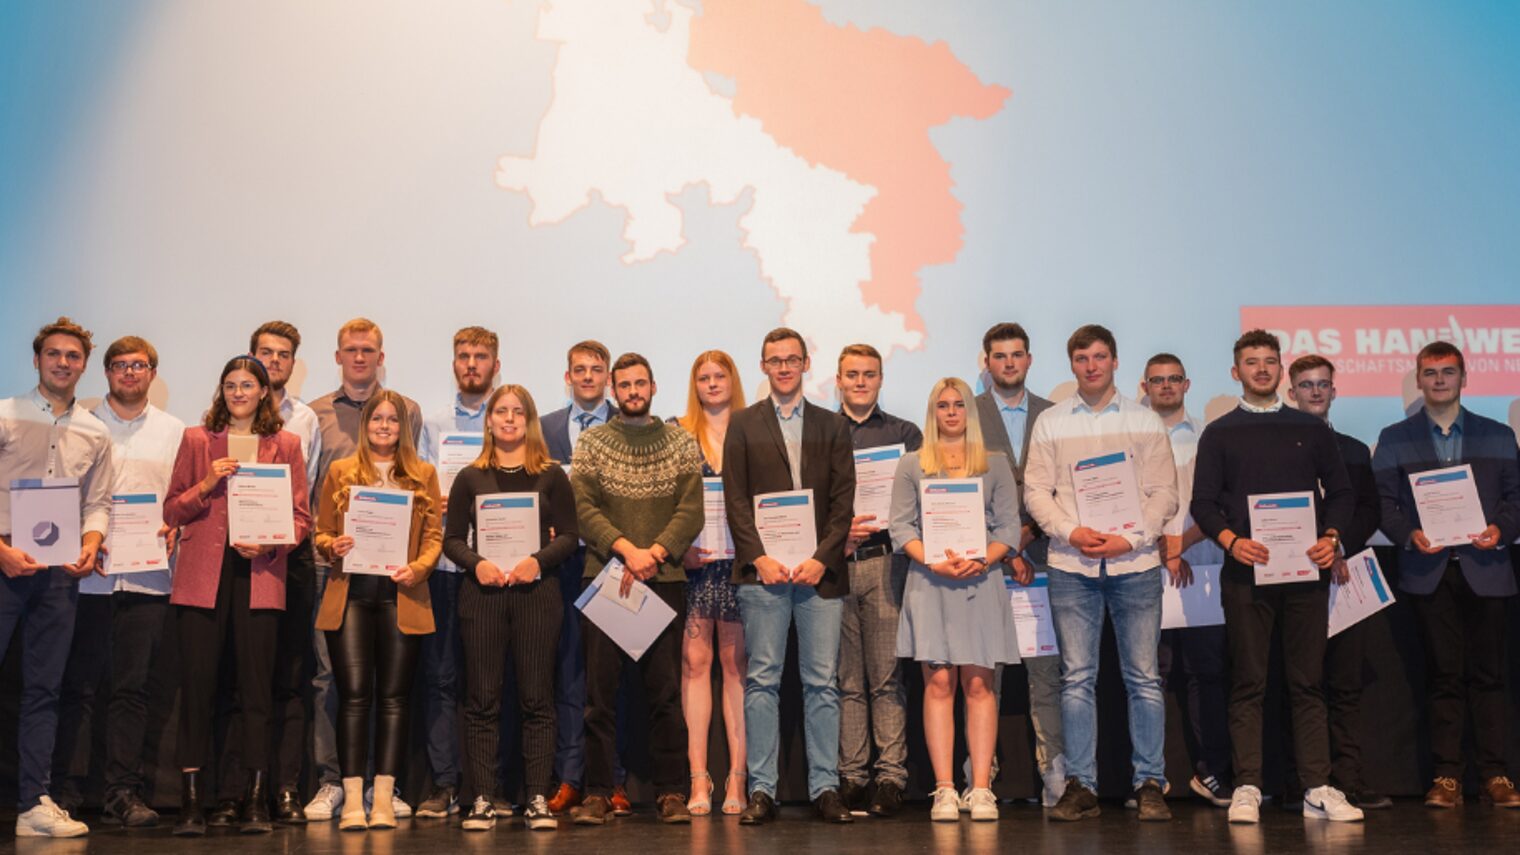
[[642, 411], [130, 397], [474, 387]]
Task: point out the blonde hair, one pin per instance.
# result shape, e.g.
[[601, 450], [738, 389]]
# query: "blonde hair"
[[695, 420], [406, 466], [361, 325], [976, 450], [536, 457]]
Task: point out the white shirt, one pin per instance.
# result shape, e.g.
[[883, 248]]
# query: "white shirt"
[[1184, 436], [1070, 431], [142, 455], [301, 420], [34, 444]]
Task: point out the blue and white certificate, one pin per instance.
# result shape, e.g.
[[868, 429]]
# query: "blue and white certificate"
[[874, 470], [1365, 593], [1108, 495], [506, 528], [953, 518], [715, 536], [456, 450], [1285, 524], [1032, 621], [1447, 499], [133, 545], [259, 507], [380, 522], [786, 526]]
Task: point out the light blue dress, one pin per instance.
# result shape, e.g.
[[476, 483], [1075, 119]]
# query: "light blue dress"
[[957, 621]]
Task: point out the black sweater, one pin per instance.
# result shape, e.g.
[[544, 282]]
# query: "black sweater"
[[1369, 512], [556, 510], [1244, 453]]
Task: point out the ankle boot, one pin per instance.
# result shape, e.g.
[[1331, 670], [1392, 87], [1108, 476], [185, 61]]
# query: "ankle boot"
[[352, 818], [382, 808], [256, 806], [192, 814]]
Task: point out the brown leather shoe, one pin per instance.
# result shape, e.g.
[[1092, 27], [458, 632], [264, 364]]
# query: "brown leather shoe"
[[671, 808], [1499, 791], [1445, 793], [564, 798], [621, 806]]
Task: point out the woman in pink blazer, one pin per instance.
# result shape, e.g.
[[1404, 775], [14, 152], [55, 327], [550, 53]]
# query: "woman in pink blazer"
[[223, 588]]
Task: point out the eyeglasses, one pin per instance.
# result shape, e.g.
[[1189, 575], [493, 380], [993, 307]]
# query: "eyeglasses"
[[1159, 380], [246, 387], [789, 362], [121, 367], [1311, 385]]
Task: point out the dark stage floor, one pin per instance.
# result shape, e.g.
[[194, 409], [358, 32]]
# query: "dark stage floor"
[[1195, 828]]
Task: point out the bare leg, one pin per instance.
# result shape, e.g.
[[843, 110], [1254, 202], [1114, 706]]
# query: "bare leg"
[[939, 720], [696, 699], [981, 722], [731, 658]]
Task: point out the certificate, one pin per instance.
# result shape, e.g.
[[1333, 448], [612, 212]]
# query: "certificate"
[[633, 628], [1196, 605], [259, 507], [1284, 523], [506, 528], [874, 470], [133, 544], [1447, 499], [953, 517], [380, 522], [45, 520], [1108, 495], [715, 535], [786, 527], [456, 450], [1032, 620], [1366, 593]]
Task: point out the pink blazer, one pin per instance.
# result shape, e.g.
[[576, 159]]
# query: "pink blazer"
[[203, 520]]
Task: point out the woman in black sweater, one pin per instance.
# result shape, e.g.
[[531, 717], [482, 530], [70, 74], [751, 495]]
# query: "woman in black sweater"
[[511, 606]]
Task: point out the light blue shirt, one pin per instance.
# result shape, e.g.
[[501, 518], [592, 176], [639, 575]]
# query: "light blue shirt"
[[1015, 419], [1449, 444], [598, 416], [457, 418], [791, 434]]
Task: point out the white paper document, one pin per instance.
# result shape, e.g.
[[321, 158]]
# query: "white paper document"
[[786, 526], [45, 521], [953, 517], [715, 535], [874, 470], [633, 628], [1032, 620], [506, 528], [1284, 523], [456, 450], [1196, 605], [1108, 494], [380, 522], [259, 508], [1364, 594], [1447, 499], [133, 544]]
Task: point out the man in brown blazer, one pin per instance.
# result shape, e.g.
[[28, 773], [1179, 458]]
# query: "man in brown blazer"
[[784, 444]]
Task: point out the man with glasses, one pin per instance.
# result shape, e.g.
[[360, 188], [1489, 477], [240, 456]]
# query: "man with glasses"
[[1200, 653], [781, 444], [120, 616], [47, 434]]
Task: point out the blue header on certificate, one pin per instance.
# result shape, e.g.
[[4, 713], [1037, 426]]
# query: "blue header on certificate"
[[1103, 460], [509, 502], [43, 483], [712, 485], [962, 487], [134, 499], [257, 470], [363, 495], [476, 440], [1369, 564], [1270, 502], [1460, 474], [889, 452], [782, 501], [1040, 581]]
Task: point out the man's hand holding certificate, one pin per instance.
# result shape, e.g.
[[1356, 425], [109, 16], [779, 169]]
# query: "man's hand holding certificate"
[[1450, 513], [379, 521], [789, 534], [953, 519], [1284, 524]]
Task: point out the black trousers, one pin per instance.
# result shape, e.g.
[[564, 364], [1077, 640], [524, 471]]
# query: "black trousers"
[[1251, 612], [293, 666], [660, 667], [1200, 656], [373, 666], [116, 638], [202, 635], [1464, 637], [1345, 663], [523, 622]]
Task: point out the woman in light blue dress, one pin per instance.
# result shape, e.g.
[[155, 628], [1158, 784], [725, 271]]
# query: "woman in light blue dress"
[[956, 619]]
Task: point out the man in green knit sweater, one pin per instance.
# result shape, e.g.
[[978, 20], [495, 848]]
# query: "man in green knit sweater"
[[638, 494]]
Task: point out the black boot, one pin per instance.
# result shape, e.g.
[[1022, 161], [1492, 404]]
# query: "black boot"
[[192, 814], [256, 807]]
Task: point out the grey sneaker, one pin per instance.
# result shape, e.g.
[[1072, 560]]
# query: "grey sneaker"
[[325, 804]]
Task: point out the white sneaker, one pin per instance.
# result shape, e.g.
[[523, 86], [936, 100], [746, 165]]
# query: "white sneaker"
[[325, 804], [1055, 782], [49, 820], [983, 805], [947, 805], [1329, 803], [1245, 805]]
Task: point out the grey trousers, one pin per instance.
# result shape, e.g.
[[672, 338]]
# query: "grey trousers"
[[872, 698]]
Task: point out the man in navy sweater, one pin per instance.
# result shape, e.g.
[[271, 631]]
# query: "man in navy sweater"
[[1262, 447]]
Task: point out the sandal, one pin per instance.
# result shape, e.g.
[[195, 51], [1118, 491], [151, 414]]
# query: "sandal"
[[702, 806], [732, 807]]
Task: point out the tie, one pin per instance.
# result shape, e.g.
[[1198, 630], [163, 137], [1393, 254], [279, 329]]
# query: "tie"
[[585, 420]]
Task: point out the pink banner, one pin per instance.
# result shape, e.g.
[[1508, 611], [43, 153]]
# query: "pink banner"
[[1373, 347]]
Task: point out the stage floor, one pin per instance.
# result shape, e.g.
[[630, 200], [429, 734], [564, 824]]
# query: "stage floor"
[[1194, 829]]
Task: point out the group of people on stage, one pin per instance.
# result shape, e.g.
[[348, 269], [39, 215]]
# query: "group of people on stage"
[[266, 633]]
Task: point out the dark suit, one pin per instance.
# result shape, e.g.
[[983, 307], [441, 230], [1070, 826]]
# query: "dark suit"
[[556, 428], [995, 437], [755, 462], [1458, 592]]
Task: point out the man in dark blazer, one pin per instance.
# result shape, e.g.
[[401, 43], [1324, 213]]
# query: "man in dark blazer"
[[1459, 592], [1007, 411], [781, 444]]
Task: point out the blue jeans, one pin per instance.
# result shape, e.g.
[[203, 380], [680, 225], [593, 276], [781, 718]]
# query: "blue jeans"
[[767, 612], [324, 697], [43, 604], [570, 680], [1133, 600], [441, 655]]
